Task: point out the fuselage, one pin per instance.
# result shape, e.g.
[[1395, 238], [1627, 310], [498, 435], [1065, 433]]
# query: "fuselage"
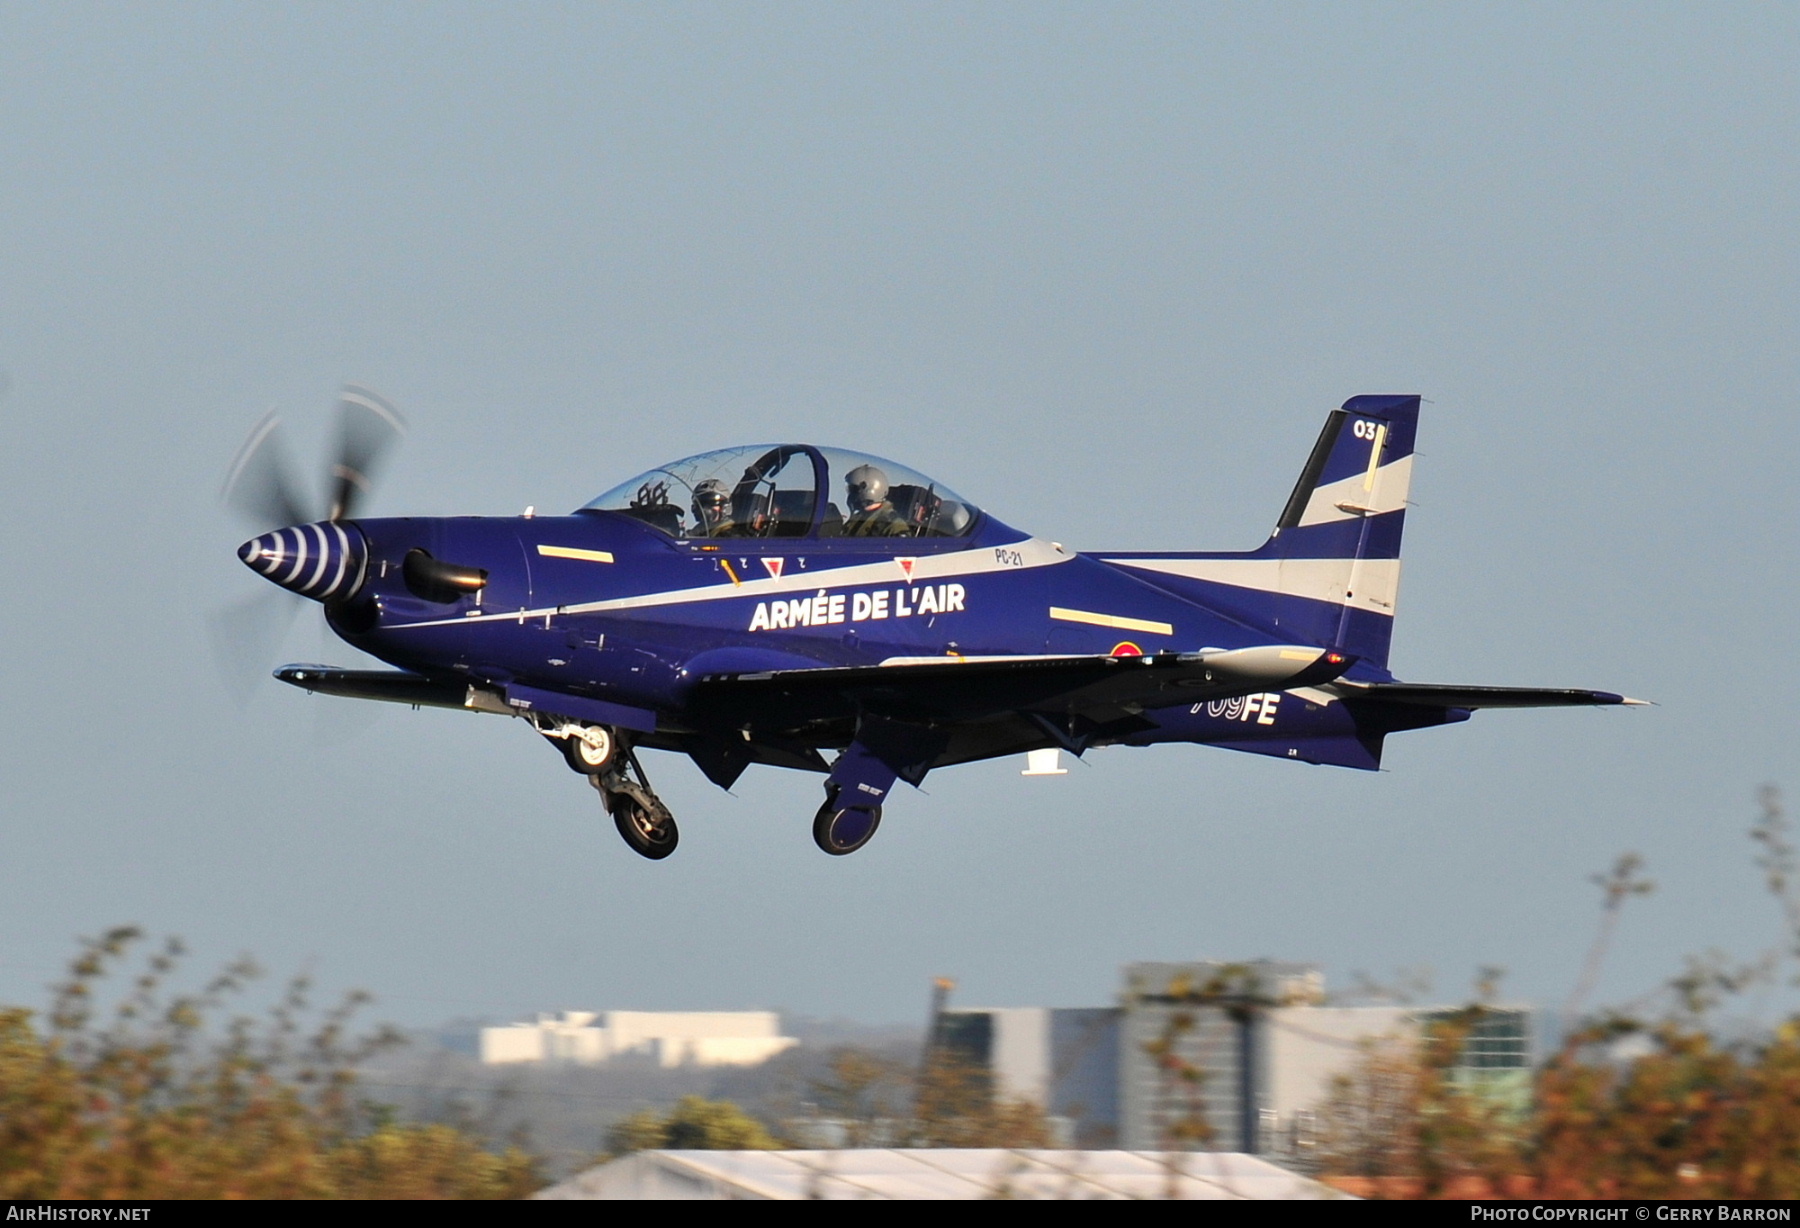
[[603, 606]]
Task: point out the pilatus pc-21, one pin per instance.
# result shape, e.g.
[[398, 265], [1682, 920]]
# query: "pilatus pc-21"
[[818, 609]]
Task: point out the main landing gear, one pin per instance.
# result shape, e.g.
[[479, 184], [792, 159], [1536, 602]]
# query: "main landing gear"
[[858, 784], [841, 830]]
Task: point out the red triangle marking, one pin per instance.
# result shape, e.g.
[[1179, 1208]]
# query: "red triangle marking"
[[906, 565], [774, 566]]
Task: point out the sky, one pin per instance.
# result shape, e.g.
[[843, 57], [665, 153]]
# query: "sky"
[[1100, 268]]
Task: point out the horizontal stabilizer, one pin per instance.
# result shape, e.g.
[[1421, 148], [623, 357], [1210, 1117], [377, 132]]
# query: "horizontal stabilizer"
[[1430, 695]]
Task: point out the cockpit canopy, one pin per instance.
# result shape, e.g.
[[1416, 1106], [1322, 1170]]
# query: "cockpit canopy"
[[789, 490]]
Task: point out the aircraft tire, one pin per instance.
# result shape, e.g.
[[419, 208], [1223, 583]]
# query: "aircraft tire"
[[646, 837], [841, 830], [580, 754]]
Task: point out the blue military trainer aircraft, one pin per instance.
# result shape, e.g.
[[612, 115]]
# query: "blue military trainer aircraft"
[[818, 609]]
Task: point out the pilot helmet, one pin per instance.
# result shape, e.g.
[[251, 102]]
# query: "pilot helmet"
[[710, 501], [710, 498], [867, 486]]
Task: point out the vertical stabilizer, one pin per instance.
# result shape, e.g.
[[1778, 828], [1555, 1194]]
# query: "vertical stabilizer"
[[1338, 539], [1330, 573]]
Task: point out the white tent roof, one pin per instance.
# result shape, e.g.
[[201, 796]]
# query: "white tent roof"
[[937, 1174]]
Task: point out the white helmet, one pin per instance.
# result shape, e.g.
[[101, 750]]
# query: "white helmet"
[[867, 486]]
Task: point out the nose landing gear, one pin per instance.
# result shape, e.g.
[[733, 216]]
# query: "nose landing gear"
[[625, 791], [648, 827]]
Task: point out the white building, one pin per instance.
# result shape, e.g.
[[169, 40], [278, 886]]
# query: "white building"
[[672, 1038], [964, 1173]]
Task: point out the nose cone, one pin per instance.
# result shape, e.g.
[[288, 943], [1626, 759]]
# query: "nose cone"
[[325, 561]]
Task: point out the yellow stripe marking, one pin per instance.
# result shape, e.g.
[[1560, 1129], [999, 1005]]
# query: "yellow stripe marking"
[[570, 552], [726, 564], [1288, 654], [1375, 456], [1110, 620]]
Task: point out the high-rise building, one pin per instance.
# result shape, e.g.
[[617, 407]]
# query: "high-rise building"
[[1194, 1055], [1213, 1056], [1064, 1059]]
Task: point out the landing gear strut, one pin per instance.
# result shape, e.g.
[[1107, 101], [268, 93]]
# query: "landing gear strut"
[[636, 811]]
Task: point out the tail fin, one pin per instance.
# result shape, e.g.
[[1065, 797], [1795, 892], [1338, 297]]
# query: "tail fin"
[[1338, 539], [1330, 573]]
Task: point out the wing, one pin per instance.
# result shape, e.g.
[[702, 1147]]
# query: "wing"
[[930, 688], [959, 689], [1431, 695], [967, 707]]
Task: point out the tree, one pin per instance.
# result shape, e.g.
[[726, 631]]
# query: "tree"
[[955, 1104], [866, 1093], [153, 1102], [1406, 1110], [1627, 1107], [694, 1124]]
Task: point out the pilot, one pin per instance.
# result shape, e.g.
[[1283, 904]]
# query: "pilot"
[[712, 509], [871, 515]]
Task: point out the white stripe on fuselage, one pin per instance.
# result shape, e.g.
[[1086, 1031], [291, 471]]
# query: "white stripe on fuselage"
[[1014, 556], [1377, 580]]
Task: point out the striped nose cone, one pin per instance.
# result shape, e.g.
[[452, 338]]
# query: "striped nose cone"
[[324, 561]]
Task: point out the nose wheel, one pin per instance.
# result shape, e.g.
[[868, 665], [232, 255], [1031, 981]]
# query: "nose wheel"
[[649, 830], [642, 819], [841, 830]]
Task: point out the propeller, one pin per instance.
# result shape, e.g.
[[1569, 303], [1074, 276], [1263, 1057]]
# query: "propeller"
[[260, 485], [261, 489], [246, 635]]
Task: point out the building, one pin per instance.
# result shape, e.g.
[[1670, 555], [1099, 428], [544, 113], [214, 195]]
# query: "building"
[[670, 1038], [1212, 1056], [938, 1174], [1065, 1059]]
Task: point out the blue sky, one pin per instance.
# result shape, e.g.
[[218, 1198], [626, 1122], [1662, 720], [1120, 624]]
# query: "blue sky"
[[1100, 268]]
